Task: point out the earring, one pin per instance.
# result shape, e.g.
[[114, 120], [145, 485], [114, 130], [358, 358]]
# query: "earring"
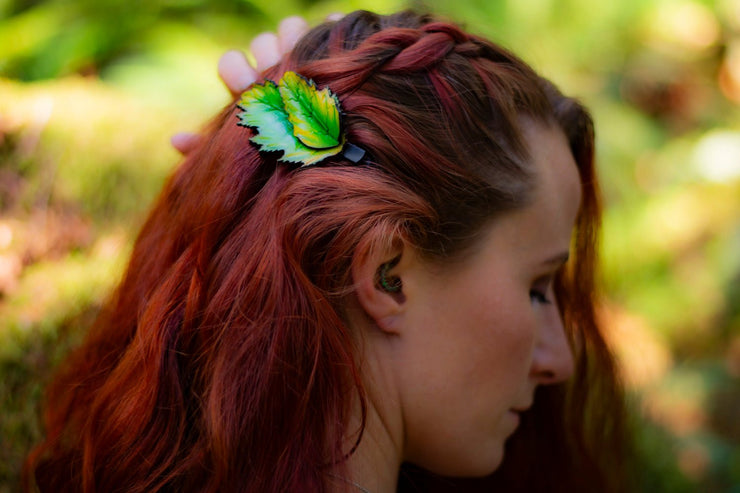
[[389, 284]]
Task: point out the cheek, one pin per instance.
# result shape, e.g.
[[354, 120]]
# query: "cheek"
[[516, 329], [504, 335], [508, 311], [472, 365]]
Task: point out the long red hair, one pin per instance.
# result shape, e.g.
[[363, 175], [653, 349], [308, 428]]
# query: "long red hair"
[[223, 361]]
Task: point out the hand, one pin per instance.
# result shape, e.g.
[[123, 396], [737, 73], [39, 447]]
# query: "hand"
[[236, 72]]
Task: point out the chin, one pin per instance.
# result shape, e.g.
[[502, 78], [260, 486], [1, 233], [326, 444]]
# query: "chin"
[[479, 465], [489, 467]]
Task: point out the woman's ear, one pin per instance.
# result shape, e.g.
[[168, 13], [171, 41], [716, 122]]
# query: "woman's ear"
[[378, 280]]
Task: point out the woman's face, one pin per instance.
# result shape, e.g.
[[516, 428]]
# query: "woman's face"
[[477, 337]]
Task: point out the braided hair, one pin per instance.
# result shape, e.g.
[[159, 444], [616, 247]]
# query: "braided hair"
[[224, 362]]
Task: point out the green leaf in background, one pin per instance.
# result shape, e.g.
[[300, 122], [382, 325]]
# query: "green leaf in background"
[[314, 114], [293, 117]]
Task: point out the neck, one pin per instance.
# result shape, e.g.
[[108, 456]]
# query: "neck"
[[375, 463]]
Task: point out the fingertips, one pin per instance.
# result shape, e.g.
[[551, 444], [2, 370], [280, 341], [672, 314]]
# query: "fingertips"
[[290, 30], [266, 50], [235, 71], [184, 142]]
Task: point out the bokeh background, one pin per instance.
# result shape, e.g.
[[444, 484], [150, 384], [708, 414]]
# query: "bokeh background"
[[91, 90]]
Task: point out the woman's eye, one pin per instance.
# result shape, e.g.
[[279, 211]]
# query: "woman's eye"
[[541, 290], [539, 297]]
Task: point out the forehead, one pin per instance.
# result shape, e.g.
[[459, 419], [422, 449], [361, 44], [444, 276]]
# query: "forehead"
[[556, 174], [546, 222]]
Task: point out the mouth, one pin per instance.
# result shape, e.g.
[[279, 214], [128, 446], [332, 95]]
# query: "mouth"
[[517, 411], [515, 419], [521, 409]]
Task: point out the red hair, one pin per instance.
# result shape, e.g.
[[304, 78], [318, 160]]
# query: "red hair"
[[224, 362]]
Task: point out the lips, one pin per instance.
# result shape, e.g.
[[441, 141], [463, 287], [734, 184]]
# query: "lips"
[[521, 409], [515, 419]]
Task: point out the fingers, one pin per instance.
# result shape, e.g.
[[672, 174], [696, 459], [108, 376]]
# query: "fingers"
[[290, 30], [266, 50], [235, 71], [238, 74], [184, 142]]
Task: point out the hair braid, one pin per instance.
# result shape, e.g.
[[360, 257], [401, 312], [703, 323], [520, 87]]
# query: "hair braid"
[[376, 49]]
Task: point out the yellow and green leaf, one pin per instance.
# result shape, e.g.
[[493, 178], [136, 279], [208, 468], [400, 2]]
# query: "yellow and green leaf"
[[293, 117], [313, 113]]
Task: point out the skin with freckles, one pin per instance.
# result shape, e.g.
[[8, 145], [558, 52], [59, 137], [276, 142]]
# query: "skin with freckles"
[[466, 344]]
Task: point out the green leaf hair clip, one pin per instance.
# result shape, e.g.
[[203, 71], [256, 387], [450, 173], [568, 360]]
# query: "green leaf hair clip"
[[294, 117]]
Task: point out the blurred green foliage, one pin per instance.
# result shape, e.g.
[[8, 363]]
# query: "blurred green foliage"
[[90, 90]]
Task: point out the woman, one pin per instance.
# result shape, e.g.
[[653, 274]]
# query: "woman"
[[374, 281]]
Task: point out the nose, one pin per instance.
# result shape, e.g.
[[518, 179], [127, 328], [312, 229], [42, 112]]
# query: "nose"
[[552, 359]]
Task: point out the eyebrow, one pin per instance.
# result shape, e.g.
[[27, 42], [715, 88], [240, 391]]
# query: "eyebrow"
[[558, 259]]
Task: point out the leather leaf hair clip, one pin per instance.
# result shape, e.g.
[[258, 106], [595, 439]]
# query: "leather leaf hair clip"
[[294, 117]]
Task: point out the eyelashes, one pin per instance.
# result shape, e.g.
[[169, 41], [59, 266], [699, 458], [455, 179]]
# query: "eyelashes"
[[537, 296], [541, 290]]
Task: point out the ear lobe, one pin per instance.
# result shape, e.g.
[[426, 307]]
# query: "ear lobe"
[[382, 305]]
